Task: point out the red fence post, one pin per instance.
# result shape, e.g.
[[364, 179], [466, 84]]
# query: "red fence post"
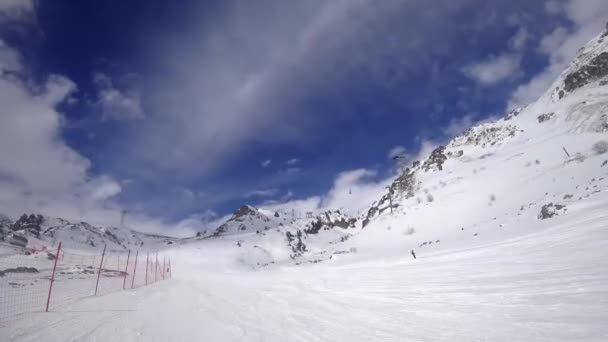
[[147, 257], [100, 265], [164, 269], [48, 299], [126, 270], [135, 269]]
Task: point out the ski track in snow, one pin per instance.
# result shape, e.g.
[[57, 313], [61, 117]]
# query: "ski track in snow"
[[549, 285]]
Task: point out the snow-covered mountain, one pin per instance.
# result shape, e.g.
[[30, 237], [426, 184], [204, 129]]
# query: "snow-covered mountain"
[[537, 163], [543, 161], [494, 181], [47, 231], [265, 237]]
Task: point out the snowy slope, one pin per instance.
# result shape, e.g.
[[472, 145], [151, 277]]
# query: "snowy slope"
[[497, 176], [549, 284], [494, 179]]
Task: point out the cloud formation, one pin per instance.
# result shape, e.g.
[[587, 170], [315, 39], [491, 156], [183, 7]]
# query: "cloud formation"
[[352, 192], [38, 171], [495, 68], [396, 152], [114, 103], [588, 18]]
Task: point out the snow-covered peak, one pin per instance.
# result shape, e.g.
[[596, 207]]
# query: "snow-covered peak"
[[43, 230], [588, 67], [554, 132]]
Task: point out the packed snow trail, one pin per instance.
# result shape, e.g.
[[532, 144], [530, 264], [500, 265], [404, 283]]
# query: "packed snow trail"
[[548, 285]]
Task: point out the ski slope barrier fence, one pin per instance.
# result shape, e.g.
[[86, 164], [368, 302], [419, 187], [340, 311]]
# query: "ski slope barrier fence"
[[43, 281]]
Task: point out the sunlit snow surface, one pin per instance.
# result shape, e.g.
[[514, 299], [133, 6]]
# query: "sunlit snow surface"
[[548, 284]]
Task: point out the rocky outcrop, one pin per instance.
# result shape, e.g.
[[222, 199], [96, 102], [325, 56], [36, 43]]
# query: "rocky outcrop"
[[29, 224], [550, 210], [515, 112], [545, 117], [243, 211], [594, 70], [435, 160], [298, 248], [242, 219], [329, 220], [485, 135]]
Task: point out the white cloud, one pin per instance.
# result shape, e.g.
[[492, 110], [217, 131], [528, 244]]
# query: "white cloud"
[[293, 161], [293, 170], [553, 40], [9, 59], [396, 152], [114, 103], [262, 193], [103, 187], [494, 69], [352, 192], [458, 125], [266, 163], [14, 9], [238, 86], [39, 172], [519, 40], [302, 206], [561, 45], [553, 7]]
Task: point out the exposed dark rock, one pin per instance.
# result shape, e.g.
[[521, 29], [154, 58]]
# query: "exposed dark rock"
[[295, 242], [19, 269], [550, 210], [243, 211], [484, 135], [329, 220], [513, 113], [435, 160], [594, 70], [544, 117], [29, 224]]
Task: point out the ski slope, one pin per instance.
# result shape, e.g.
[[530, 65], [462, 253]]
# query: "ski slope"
[[547, 285]]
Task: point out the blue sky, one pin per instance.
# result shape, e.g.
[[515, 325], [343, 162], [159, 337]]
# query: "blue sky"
[[180, 111]]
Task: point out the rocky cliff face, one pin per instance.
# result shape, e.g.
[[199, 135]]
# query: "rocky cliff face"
[[29, 224], [589, 66], [574, 105]]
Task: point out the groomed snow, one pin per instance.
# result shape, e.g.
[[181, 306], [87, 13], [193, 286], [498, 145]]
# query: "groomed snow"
[[547, 285]]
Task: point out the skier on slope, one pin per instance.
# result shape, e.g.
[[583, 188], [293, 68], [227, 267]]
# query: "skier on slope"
[[413, 254]]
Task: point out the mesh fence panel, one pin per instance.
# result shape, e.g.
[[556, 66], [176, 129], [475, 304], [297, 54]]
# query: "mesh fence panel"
[[24, 282], [25, 277]]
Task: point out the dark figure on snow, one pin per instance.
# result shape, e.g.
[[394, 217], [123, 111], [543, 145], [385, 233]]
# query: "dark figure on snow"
[[413, 254]]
